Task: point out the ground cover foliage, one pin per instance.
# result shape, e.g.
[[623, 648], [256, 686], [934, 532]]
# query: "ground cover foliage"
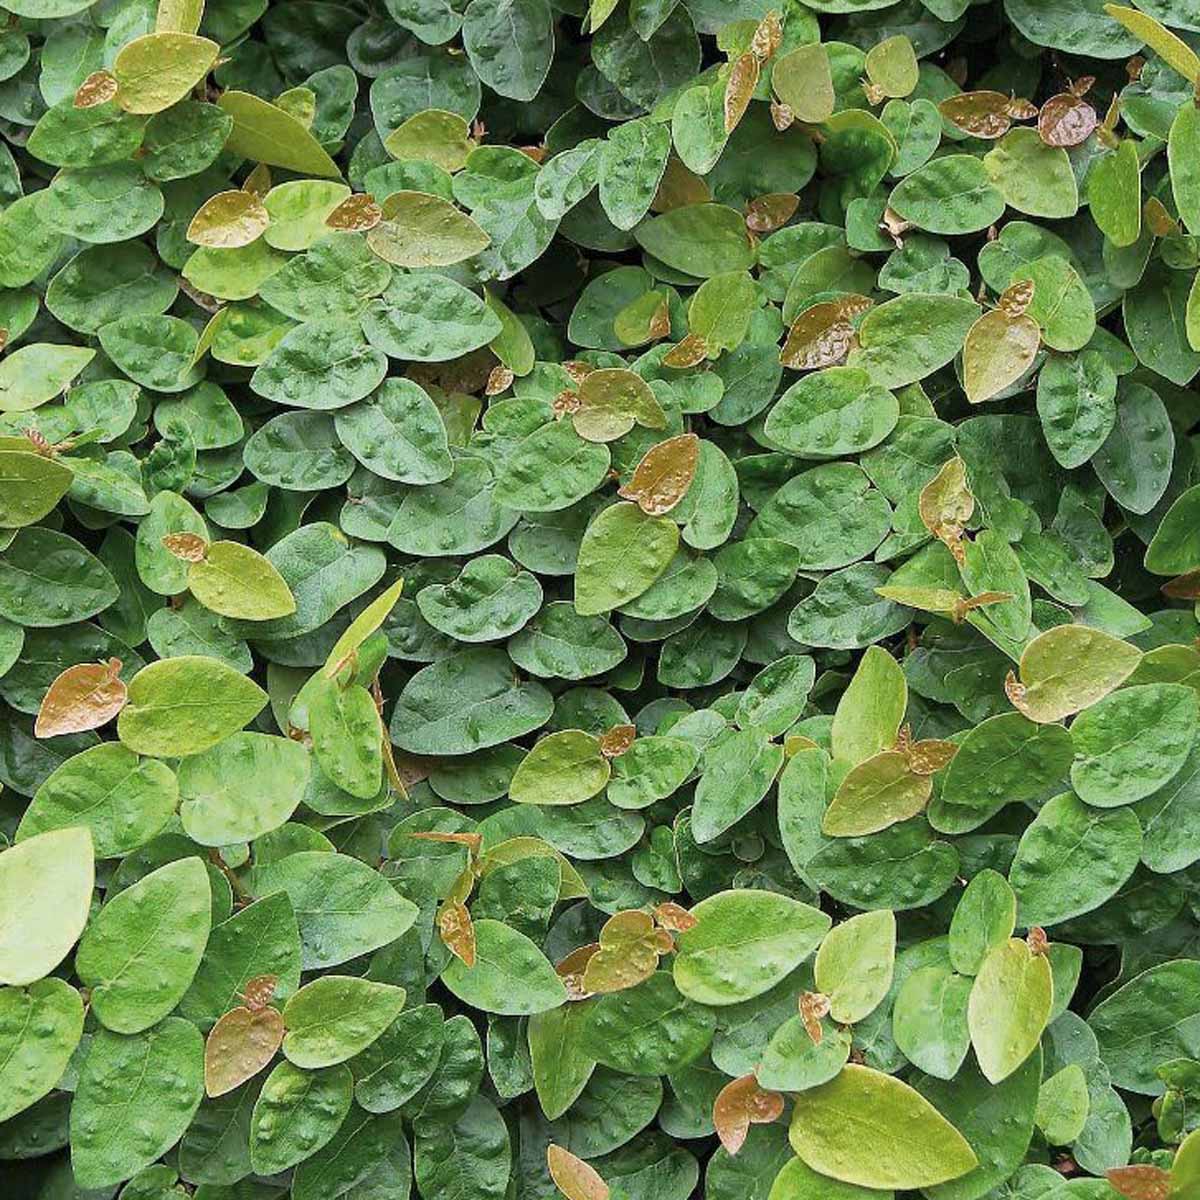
[[599, 600]]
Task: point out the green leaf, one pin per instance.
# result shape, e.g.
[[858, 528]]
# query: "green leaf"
[[34, 374], [650, 1029], [40, 1026], [743, 943], [142, 951], [622, 553], [510, 974], [565, 768], [344, 909], [869, 713], [244, 786], [1071, 859], [296, 1113], [910, 1144], [121, 799], [334, 1017], [45, 894], [185, 705], [467, 702], [135, 1097]]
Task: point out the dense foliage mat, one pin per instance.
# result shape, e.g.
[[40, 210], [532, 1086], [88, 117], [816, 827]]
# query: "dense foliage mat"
[[599, 599]]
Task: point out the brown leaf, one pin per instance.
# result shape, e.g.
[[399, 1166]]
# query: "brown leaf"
[[190, 547], [739, 88], [768, 37], [782, 116], [1014, 300], [946, 504], [573, 1177], [664, 475], [259, 992], [615, 741], [98, 88], [356, 214], [765, 214], [679, 187], [821, 336], [692, 350], [472, 841], [239, 1045], [930, 755], [500, 380], [740, 1104], [1158, 220], [1015, 690], [813, 1007], [983, 114], [674, 916], [571, 969], [83, 697], [1184, 587], [1036, 940], [1141, 1181], [1066, 120], [457, 931]]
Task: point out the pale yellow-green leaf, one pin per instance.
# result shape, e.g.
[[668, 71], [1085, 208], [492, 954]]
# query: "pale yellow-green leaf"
[[855, 963], [159, 69], [872, 1129], [267, 134], [1009, 1006]]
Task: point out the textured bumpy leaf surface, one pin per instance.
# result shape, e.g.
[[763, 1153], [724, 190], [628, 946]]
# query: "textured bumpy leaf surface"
[[599, 598]]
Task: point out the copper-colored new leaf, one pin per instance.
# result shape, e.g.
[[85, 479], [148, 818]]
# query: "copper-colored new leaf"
[[813, 1007], [782, 116], [998, 350], [983, 114], [356, 214], [472, 841], [664, 475], [1016, 298], [1066, 120], [740, 1104], [98, 88], [822, 336], [765, 214], [500, 380], [1036, 940], [573, 1177], [1140, 1181], [768, 37], [615, 741], [1158, 220], [457, 930], [259, 992], [239, 1045], [674, 916], [1184, 587], [930, 755], [739, 88], [692, 350], [258, 182], [82, 697], [571, 969], [946, 504], [190, 547], [964, 604], [679, 187]]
